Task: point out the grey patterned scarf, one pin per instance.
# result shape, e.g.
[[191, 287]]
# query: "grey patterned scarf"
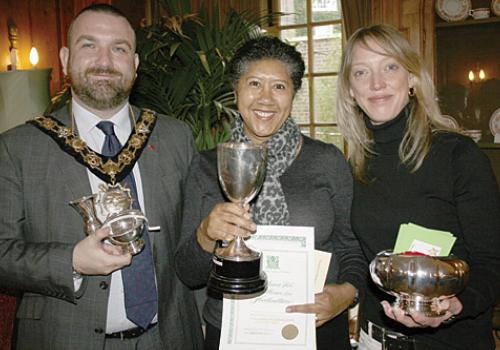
[[270, 207]]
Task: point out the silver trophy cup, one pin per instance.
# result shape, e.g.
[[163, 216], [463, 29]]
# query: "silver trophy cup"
[[237, 268], [417, 281], [112, 207]]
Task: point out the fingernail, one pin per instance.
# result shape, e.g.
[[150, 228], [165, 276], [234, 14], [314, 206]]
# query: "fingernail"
[[288, 309]]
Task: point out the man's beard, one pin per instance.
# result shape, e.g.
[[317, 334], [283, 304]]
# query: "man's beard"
[[101, 94]]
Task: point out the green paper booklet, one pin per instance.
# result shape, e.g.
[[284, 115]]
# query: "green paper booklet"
[[416, 238]]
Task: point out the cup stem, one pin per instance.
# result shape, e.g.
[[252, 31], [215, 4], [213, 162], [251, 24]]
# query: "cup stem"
[[237, 247], [238, 244]]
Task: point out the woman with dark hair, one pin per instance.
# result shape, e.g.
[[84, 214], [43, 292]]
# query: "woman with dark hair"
[[266, 74], [409, 166]]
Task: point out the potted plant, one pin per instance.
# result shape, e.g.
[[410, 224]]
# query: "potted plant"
[[183, 70]]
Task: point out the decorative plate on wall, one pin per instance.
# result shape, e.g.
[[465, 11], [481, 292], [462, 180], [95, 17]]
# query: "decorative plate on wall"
[[452, 122], [495, 122], [495, 7], [453, 10]]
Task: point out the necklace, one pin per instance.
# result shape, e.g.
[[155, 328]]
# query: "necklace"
[[109, 169]]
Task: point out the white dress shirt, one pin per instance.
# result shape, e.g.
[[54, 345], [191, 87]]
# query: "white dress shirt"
[[86, 124]]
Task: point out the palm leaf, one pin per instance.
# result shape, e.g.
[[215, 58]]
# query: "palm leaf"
[[183, 67]]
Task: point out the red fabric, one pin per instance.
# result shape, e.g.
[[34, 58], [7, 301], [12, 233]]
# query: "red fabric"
[[7, 311], [412, 252]]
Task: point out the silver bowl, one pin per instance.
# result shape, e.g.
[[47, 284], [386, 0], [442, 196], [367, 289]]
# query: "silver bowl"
[[126, 230], [417, 281]]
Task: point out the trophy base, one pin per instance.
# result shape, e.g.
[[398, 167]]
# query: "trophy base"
[[417, 303], [237, 277], [238, 286]]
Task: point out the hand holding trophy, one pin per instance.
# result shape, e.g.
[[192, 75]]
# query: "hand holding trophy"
[[112, 207], [418, 280], [241, 168]]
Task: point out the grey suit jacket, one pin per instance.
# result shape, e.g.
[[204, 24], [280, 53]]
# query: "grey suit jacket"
[[38, 231]]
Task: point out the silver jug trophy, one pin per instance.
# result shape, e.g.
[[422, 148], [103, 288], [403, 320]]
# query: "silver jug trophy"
[[237, 268], [112, 207], [418, 280]]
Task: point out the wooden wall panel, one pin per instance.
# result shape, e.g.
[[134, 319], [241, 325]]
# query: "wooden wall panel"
[[428, 38], [45, 36], [18, 12], [41, 23], [415, 19], [44, 24], [36, 21], [65, 14]]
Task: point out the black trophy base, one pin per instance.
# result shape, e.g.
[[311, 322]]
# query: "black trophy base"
[[237, 277]]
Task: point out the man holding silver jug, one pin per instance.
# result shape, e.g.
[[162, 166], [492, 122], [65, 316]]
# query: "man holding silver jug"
[[93, 287]]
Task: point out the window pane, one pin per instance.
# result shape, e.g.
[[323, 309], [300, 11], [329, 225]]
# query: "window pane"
[[325, 10], [306, 130], [330, 134], [300, 109], [325, 89], [327, 48], [296, 10], [297, 38]]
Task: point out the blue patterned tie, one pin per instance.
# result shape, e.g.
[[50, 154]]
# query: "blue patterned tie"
[[141, 300]]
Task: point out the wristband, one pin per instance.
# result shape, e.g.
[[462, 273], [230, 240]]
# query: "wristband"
[[355, 301]]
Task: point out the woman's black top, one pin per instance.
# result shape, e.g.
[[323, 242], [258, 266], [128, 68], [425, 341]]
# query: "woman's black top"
[[454, 190], [318, 192]]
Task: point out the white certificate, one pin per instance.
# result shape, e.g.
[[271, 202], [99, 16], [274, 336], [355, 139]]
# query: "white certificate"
[[261, 322]]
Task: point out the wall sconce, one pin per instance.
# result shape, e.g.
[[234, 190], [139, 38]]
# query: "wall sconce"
[[33, 57], [17, 83], [479, 75]]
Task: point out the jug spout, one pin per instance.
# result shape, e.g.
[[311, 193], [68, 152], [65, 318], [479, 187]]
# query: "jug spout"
[[85, 206]]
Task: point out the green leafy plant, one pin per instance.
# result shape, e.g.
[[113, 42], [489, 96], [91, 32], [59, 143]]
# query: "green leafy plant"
[[183, 69]]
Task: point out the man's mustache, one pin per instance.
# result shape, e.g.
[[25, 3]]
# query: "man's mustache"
[[98, 70]]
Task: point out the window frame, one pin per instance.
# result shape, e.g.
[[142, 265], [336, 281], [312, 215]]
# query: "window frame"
[[310, 75]]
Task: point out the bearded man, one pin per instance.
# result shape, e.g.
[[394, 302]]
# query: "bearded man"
[[79, 290]]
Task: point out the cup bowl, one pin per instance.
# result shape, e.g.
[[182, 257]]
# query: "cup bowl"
[[126, 230], [417, 281], [241, 168]]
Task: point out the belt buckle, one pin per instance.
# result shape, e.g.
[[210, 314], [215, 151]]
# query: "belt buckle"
[[389, 340], [375, 331], [127, 334], [398, 343]]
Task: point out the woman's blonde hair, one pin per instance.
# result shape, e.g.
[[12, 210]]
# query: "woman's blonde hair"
[[425, 115]]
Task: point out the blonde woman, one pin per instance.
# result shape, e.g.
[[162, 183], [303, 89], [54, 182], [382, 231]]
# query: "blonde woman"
[[409, 166]]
